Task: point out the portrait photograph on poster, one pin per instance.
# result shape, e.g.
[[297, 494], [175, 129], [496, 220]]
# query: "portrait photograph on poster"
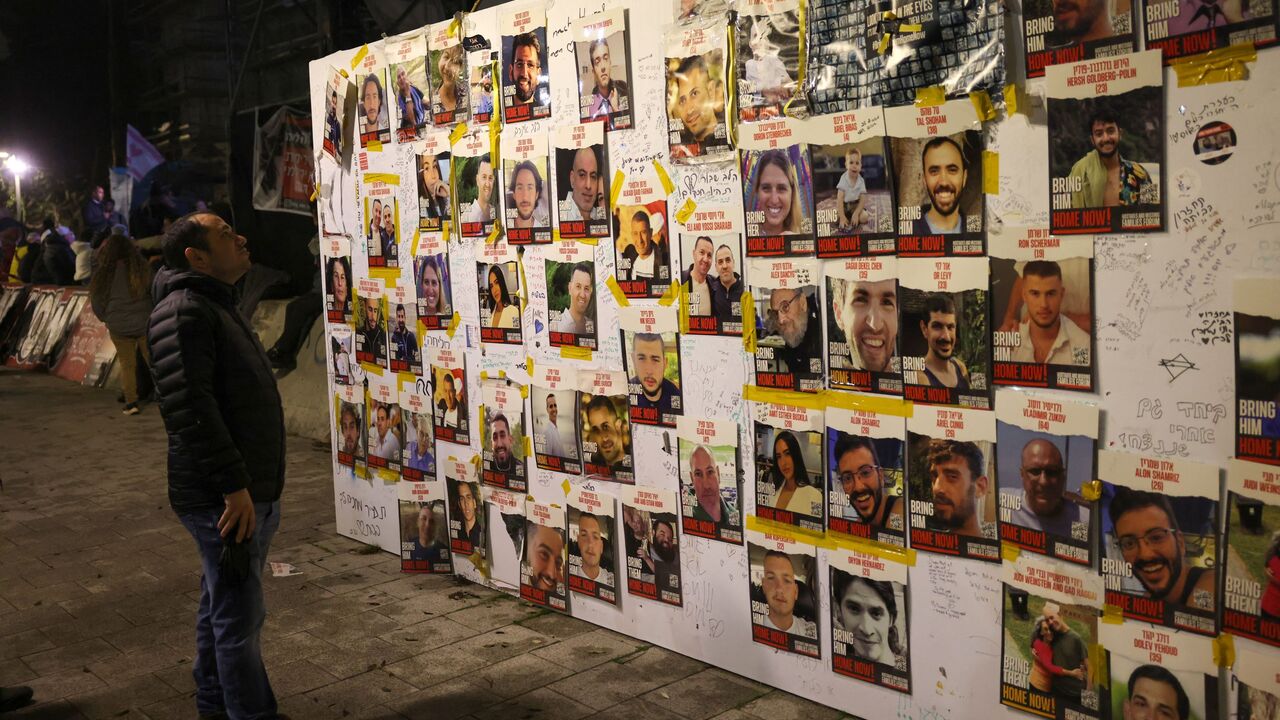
[[582, 181], [337, 287], [450, 96], [650, 518], [504, 522], [946, 331], [1161, 670], [642, 248], [1251, 601], [1256, 694], [349, 411], [384, 428], [605, 423], [651, 355], [570, 273], [553, 402], [475, 190], [435, 203], [424, 529], [1045, 457], [951, 465], [499, 285], [777, 189], [710, 482], [542, 568], [382, 226], [937, 176], [788, 465], [406, 350], [374, 117], [466, 523], [852, 184], [435, 291], [711, 273], [862, 327], [419, 458], [482, 66], [1159, 522], [342, 348], [503, 441], [1257, 332], [407, 56], [1065, 31], [697, 91], [526, 79], [526, 187], [1192, 27], [593, 557], [602, 49], [1106, 151], [784, 588], [335, 114], [449, 394], [788, 322], [1042, 309], [371, 332], [768, 55], [870, 619], [866, 464]]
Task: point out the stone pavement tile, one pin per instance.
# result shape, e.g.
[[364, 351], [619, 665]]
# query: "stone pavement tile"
[[56, 686], [87, 626], [21, 594], [540, 703], [177, 632], [356, 628], [357, 694], [24, 643], [180, 707], [448, 700], [429, 634], [780, 705], [703, 695], [122, 669], [326, 612], [179, 678], [610, 683], [432, 603], [147, 610], [501, 611], [6, 606], [557, 626], [295, 646], [344, 561], [637, 708], [279, 596], [56, 710], [517, 676], [298, 677], [30, 619], [589, 649], [734, 715], [434, 667], [353, 580], [76, 655], [115, 700], [14, 672], [407, 586], [355, 658]]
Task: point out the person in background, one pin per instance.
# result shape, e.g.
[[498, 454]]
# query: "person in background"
[[25, 257], [120, 293], [94, 212], [57, 265], [84, 260]]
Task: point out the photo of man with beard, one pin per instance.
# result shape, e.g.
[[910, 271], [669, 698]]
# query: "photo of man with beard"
[[655, 398], [503, 446], [544, 558], [789, 338], [951, 471], [946, 170], [527, 207], [696, 100], [863, 334], [350, 433], [866, 486], [525, 92], [466, 530], [652, 545], [1059, 31], [945, 317], [606, 437]]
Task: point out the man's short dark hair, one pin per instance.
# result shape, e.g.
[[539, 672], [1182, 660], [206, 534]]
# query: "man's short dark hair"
[[598, 42], [941, 451], [939, 303], [527, 165], [448, 377], [1159, 674], [185, 232], [1128, 499], [776, 554], [399, 307], [1102, 113], [583, 266], [691, 63], [938, 142], [646, 337], [670, 526], [700, 238], [643, 217], [500, 418], [601, 402], [1042, 268], [527, 40], [848, 443]]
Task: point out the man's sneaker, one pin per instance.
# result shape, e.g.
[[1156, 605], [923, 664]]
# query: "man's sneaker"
[[132, 409]]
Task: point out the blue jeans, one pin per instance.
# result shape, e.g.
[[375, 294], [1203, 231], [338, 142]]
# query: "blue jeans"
[[228, 669]]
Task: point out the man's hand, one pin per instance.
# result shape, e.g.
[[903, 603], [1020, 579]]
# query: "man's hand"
[[238, 517]]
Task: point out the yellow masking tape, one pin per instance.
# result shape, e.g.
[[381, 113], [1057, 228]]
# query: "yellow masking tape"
[[1011, 98], [930, 96], [990, 172], [493, 235], [459, 131], [1099, 673], [1091, 490], [444, 231], [343, 73], [453, 27], [686, 211], [555, 234], [1222, 65], [589, 241], [575, 353], [374, 369], [1009, 552], [748, 306], [524, 393], [566, 487], [528, 446], [373, 146], [813, 401], [791, 532], [484, 375], [893, 553], [670, 296], [453, 324], [664, 177], [315, 192], [364, 50], [612, 283], [981, 100], [1112, 614], [384, 178], [528, 360], [616, 190], [868, 403], [1224, 650], [384, 273]]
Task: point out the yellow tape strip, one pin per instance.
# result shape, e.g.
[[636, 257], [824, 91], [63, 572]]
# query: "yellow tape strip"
[[524, 393], [892, 553], [373, 146], [981, 100], [484, 375], [1099, 669], [384, 273], [791, 532], [524, 284], [748, 306], [453, 27], [361, 471], [528, 446], [686, 211], [1009, 552], [459, 131], [812, 401], [1092, 490], [1221, 65], [566, 487], [529, 364], [869, 403], [454, 322], [444, 231], [664, 177], [476, 459], [555, 234], [930, 96], [374, 369], [1011, 98], [683, 308], [388, 476], [384, 178], [1224, 650], [1112, 614], [406, 378], [589, 241], [612, 283], [990, 172], [575, 353], [315, 192], [671, 295], [344, 74], [616, 190], [364, 50], [493, 235]]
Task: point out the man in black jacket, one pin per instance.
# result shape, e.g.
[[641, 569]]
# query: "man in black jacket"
[[223, 414]]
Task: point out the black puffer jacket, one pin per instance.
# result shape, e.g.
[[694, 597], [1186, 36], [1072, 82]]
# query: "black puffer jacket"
[[217, 394]]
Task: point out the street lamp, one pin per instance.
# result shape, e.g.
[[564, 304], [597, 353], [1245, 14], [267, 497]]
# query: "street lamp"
[[17, 166]]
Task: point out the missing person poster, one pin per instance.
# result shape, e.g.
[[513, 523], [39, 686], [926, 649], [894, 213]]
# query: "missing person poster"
[[852, 185], [466, 524], [337, 279], [424, 530], [1257, 687], [602, 48], [449, 393], [1257, 325], [407, 56], [651, 354], [1179, 29], [1046, 450], [335, 115], [788, 465], [406, 350], [342, 347], [777, 189], [951, 458], [650, 518], [713, 285], [866, 464], [498, 279], [1251, 603], [526, 79], [870, 619], [554, 405], [641, 245], [419, 458], [784, 590], [483, 69], [1067, 31], [570, 272], [372, 111], [698, 86], [862, 327], [435, 203], [348, 403], [1042, 290], [371, 331], [1160, 539], [542, 569], [593, 546], [526, 185], [605, 424], [769, 43], [1106, 124], [788, 321], [937, 173], [946, 340], [1050, 619], [384, 426], [505, 519], [475, 192], [503, 443], [382, 220], [710, 483], [1161, 672], [450, 96], [582, 181], [431, 275]]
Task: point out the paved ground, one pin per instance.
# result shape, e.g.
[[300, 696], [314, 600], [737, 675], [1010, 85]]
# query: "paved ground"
[[99, 582]]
